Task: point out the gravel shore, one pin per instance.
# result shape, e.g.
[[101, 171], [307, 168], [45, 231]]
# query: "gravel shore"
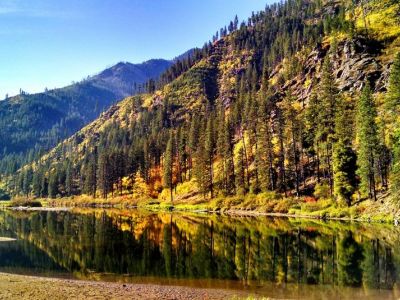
[[28, 287]]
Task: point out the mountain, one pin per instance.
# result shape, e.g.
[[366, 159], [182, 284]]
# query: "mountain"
[[299, 101], [185, 55], [122, 77], [34, 123]]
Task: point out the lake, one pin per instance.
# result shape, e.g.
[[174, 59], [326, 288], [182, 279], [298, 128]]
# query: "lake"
[[275, 257]]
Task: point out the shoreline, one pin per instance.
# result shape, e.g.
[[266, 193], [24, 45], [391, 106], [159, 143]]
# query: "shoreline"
[[228, 212], [14, 286]]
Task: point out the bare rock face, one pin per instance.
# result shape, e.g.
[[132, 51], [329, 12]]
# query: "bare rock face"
[[354, 62]]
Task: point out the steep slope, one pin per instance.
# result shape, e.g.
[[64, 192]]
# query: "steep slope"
[[263, 112], [39, 121]]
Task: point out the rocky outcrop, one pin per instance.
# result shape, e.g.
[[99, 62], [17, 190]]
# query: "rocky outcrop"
[[354, 61]]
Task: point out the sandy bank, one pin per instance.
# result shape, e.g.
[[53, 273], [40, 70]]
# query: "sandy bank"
[[28, 287]]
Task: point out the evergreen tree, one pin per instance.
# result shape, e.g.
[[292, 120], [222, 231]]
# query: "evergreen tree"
[[312, 125], [53, 185], [27, 180], [209, 146], [69, 184], [193, 142], [325, 133], [393, 107], [368, 143], [44, 186], [265, 151], [104, 174], [393, 93], [169, 165], [344, 158], [90, 183], [241, 173], [395, 174], [201, 168], [282, 182], [37, 183], [292, 137], [225, 153]]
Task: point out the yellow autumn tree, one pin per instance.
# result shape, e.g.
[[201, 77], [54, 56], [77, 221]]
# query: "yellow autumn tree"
[[140, 188]]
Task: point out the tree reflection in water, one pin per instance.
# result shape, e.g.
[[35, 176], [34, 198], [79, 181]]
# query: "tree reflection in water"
[[251, 251]]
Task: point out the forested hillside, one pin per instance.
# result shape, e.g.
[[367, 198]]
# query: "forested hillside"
[[300, 101], [30, 125]]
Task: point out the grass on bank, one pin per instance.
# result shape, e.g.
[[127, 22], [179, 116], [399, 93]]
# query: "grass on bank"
[[4, 204], [187, 198]]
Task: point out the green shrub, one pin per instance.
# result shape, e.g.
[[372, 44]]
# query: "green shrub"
[[283, 206], [316, 206], [322, 190]]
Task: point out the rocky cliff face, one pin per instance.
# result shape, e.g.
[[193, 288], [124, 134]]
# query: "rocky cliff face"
[[354, 61]]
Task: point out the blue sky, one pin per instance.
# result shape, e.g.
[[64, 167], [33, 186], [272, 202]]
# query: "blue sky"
[[49, 43]]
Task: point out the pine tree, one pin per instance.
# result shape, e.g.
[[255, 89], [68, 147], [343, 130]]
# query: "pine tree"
[[312, 125], [200, 167], [27, 180], [69, 180], [168, 166], [368, 143], [90, 184], [241, 171], [53, 185], [282, 182], [395, 174], [235, 23], [44, 191], [225, 153], [393, 93], [104, 174], [326, 119], [182, 153], [292, 136], [209, 146], [393, 108], [37, 183], [193, 140], [344, 158]]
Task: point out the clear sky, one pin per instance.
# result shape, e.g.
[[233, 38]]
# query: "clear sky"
[[49, 43]]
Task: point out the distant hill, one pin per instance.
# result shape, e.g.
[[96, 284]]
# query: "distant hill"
[[122, 77], [185, 55], [40, 121]]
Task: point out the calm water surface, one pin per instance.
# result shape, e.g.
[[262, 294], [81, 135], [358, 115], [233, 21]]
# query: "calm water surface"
[[273, 257]]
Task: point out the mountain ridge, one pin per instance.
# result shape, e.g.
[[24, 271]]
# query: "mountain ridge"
[[41, 120]]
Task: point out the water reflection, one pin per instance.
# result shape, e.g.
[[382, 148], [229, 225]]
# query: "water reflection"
[[252, 252]]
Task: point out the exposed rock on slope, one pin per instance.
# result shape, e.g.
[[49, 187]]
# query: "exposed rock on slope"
[[355, 61]]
